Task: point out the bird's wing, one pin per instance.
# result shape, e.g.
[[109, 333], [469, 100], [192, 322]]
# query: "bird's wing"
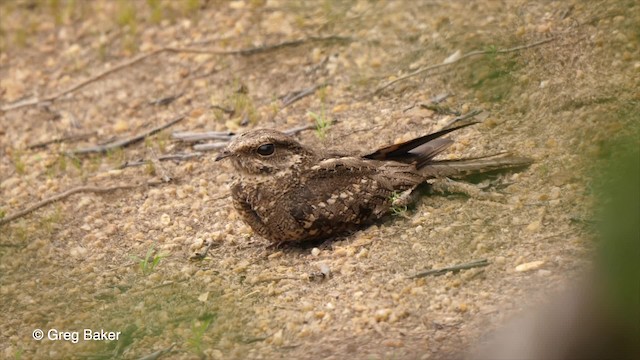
[[417, 151], [342, 194]]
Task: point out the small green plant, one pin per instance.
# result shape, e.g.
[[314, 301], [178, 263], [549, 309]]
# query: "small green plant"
[[21, 37], [150, 261], [58, 166], [190, 7], [157, 11], [94, 163], [56, 10], [21, 232], [2, 214], [322, 123], [149, 168], [491, 50], [163, 139], [18, 354], [243, 105], [198, 329], [18, 163], [543, 170], [76, 162], [492, 75], [51, 221], [274, 107], [126, 19], [397, 210], [126, 14], [116, 156]]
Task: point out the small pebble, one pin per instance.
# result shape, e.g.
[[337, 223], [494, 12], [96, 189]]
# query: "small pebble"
[[165, 219], [277, 338], [382, 315], [203, 297], [533, 265], [534, 226], [324, 269], [315, 251]]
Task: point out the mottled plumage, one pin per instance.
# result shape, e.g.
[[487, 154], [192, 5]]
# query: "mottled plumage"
[[288, 192]]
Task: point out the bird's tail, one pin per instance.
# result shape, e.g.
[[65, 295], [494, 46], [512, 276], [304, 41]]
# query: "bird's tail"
[[473, 166]]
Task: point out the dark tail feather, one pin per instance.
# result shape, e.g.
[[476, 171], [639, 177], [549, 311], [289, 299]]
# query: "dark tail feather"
[[465, 167], [424, 148]]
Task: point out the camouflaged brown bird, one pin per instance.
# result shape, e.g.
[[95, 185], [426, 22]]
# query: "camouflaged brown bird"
[[289, 192]]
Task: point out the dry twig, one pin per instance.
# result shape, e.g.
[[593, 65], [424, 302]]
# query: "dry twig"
[[174, 157], [465, 56], [163, 101], [61, 196], [210, 146], [188, 136], [124, 142], [294, 96], [462, 117], [141, 57], [60, 140], [454, 268], [157, 354], [225, 137], [199, 255]]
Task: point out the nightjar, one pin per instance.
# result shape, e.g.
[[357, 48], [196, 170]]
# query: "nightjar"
[[289, 192]]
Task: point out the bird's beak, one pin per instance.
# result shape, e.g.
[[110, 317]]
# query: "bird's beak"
[[224, 154]]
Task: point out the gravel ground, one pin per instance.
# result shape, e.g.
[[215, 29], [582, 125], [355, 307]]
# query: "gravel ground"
[[77, 264]]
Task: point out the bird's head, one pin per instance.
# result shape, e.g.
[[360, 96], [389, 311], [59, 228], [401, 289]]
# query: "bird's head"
[[266, 152]]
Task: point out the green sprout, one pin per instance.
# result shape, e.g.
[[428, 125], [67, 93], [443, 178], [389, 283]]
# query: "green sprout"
[[397, 210], [18, 163], [322, 123], [198, 330], [150, 261]]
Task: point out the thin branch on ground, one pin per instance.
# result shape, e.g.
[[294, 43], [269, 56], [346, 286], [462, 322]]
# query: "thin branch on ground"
[[462, 117], [433, 102], [454, 269], [299, 129], [275, 279], [359, 130], [189, 136], [199, 255], [157, 354], [210, 146], [163, 101], [225, 137], [265, 48], [294, 96], [61, 196], [74, 137], [141, 57], [174, 157], [465, 56], [125, 142]]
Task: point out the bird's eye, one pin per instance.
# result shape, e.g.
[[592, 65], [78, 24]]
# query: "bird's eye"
[[266, 149]]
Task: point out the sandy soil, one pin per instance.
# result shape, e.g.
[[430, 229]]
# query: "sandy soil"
[[76, 264]]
